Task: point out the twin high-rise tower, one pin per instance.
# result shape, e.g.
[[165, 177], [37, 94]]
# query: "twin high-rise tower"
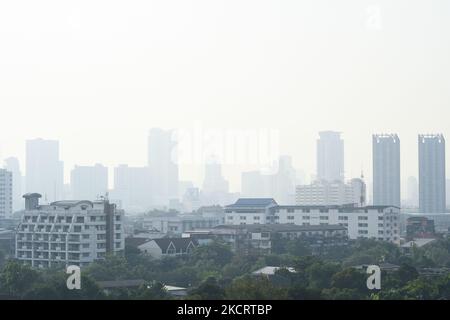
[[386, 172], [432, 173], [386, 169]]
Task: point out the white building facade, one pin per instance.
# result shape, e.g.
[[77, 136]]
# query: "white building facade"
[[68, 232], [6, 193], [376, 222], [322, 193]]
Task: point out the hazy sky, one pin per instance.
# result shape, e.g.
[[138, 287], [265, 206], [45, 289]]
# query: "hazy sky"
[[97, 75]]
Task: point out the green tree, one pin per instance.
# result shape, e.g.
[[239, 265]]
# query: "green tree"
[[350, 279], [406, 273], [255, 288], [209, 290], [16, 279]]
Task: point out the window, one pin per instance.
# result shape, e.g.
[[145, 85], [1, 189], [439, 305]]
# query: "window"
[[290, 210], [362, 225], [290, 217], [171, 249], [363, 218], [323, 218], [342, 218], [243, 217], [363, 232], [306, 217], [230, 217], [256, 218]]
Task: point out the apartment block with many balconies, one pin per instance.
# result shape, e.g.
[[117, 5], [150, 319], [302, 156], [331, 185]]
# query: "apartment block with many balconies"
[[68, 232]]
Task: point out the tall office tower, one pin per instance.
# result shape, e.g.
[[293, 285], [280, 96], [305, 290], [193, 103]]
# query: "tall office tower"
[[89, 182], [432, 173], [44, 170], [214, 182], [163, 166], [254, 184], [386, 170], [6, 193], [284, 181], [330, 156], [412, 188], [132, 188], [447, 192], [12, 165], [215, 189]]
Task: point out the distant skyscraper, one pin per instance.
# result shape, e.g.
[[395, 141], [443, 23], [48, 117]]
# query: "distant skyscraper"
[[330, 156], [254, 184], [44, 170], [89, 182], [413, 192], [163, 167], [323, 193], [132, 188], [12, 165], [214, 182], [280, 185], [284, 181], [447, 192], [386, 170], [6, 193], [432, 173]]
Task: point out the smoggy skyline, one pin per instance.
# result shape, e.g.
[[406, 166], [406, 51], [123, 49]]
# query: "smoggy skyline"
[[99, 85]]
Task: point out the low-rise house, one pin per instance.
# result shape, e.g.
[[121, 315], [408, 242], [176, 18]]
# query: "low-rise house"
[[270, 271], [415, 243], [385, 266], [176, 291], [168, 247], [109, 286]]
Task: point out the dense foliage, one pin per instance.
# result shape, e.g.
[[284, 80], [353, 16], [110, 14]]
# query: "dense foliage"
[[215, 272]]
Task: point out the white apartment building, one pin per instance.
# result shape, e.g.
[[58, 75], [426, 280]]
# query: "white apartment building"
[[336, 193], [6, 193], [68, 232], [377, 222]]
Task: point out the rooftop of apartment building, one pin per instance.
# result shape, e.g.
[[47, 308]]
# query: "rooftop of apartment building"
[[270, 202], [286, 227]]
